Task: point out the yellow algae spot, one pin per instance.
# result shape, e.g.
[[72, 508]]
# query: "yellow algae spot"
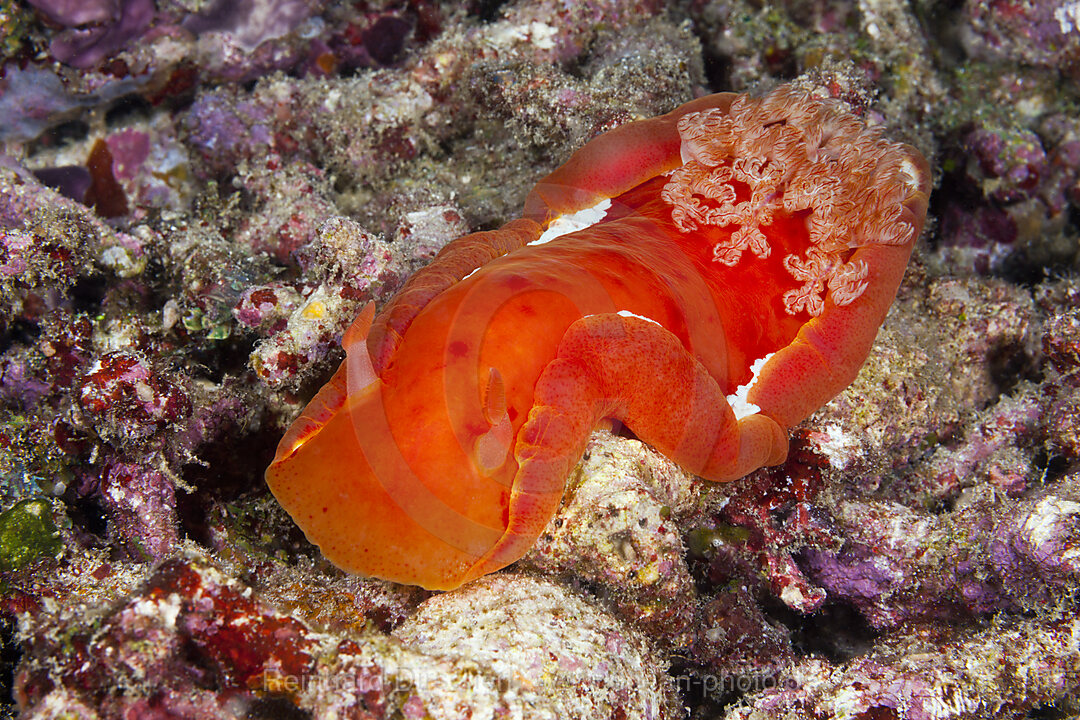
[[314, 310]]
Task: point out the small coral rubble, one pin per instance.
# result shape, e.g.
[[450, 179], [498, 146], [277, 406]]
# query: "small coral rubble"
[[346, 268], [514, 625], [125, 400]]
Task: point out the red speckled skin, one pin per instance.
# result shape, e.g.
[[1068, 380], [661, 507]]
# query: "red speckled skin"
[[386, 479]]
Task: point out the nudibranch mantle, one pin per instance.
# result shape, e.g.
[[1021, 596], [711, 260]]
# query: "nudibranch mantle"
[[709, 277]]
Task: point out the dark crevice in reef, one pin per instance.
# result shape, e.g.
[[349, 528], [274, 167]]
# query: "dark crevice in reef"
[[128, 108], [87, 515], [486, 10], [275, 708], [10, 654], [836, 631]]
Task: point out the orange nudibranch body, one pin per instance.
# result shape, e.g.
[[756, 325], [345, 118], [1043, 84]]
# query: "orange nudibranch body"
[[709, 277]]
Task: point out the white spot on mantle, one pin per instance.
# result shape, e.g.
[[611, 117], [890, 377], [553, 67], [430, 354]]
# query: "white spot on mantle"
[[566, 224]]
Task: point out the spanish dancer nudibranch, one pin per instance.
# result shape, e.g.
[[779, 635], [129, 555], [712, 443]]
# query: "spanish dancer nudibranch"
[[709, 277]]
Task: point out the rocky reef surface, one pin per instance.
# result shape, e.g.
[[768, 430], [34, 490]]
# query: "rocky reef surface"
[[196, 198]]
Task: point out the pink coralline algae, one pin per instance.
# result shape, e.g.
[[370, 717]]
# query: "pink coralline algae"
[[225, 128], [39, 263], [127, 47], [16, 244], [898, 564], [73, 14], [1009, 187], [1061, 345], [968, 332], [186, 617], [66, 233], [1004, 184], [32, 100], [19, 384], [294, 203], [1062, 178], [189, 640], [1039, 33], [130, 172], [995, 450], [141, 505], [110, 26], [1008, 163], [928, 674], [250, 22]]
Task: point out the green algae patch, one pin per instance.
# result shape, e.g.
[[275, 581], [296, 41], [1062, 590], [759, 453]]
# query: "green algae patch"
[[703, 541], [27, 531]]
